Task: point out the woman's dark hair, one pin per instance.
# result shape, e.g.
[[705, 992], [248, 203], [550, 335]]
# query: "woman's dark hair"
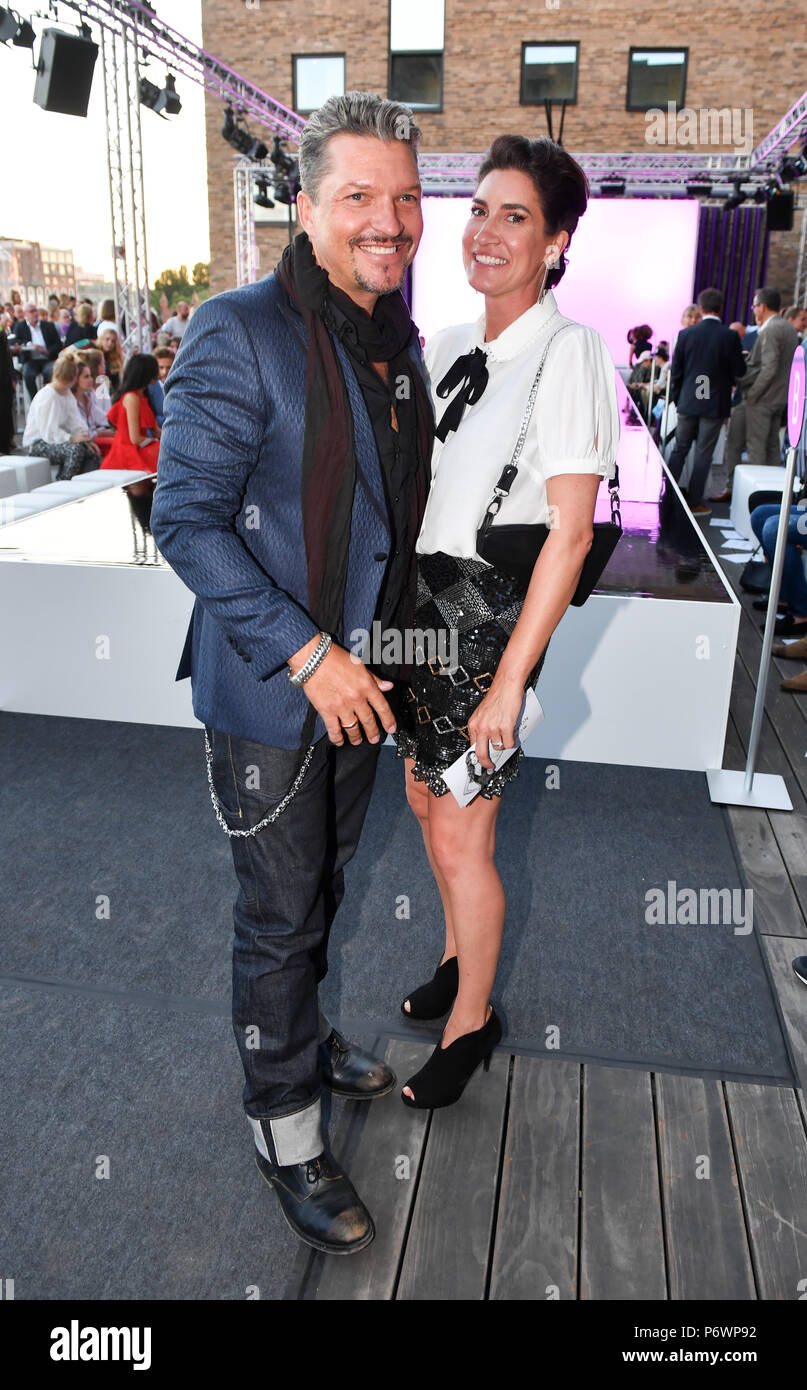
[[641, 334], [140, 371], [559, 181], [663, 352]]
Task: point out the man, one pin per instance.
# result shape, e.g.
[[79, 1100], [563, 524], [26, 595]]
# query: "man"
[[294, 469], [176, 325], [706, 362], [756, 421], [797, 315], [156, 391], [38, 343]]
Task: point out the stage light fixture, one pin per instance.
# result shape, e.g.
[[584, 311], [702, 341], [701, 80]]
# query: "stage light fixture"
[[612, 188], [160, 99], [760, 196], [241, 139], [734, 199], [9, 25], [261, 198], [25, 36], [287, 178]]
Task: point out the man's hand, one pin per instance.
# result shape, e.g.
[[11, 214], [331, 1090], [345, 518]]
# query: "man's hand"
[[342, 690]]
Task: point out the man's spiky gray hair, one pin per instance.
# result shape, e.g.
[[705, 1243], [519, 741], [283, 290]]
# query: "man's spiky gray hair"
[[355, 113]]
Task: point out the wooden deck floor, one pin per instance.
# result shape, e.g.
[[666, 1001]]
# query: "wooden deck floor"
[[554, 1180]]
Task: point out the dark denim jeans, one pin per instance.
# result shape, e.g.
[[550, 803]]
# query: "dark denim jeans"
[[291, 877], [765, 524]]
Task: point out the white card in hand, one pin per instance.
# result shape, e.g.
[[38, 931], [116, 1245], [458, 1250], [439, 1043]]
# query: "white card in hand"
[[466, 777]]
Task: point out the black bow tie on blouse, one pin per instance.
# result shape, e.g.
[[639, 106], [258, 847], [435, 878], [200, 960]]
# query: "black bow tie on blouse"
[[471, 370]]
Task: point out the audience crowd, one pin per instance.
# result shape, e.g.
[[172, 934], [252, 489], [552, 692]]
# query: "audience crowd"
[[86, 406]]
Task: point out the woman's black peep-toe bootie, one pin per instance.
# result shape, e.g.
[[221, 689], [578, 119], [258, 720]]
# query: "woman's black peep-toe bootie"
[[435, 998], [449, 1069]]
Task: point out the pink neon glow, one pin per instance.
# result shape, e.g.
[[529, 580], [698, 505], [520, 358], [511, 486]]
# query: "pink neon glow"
[[631, 261]]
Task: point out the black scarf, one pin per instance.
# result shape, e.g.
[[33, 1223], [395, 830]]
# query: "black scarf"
[[329, 458]]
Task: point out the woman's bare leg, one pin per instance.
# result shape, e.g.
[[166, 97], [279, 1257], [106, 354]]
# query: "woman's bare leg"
[[462, 840], [418, 796]]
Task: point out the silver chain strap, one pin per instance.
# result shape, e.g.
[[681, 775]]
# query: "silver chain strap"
[[273, 815]]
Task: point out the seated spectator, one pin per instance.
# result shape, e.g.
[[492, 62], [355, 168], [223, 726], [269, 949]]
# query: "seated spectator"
[[64, 321], [7, 375], [110, 345], [178, 322], [37, 345], [107, 318], [792, 620], [136, 442], [81, 331], [55, 429], [92, 412], [156, 392], [174, 344], [95, 361]]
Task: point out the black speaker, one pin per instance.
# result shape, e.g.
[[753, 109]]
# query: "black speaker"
[[64, 72], [780, 212]]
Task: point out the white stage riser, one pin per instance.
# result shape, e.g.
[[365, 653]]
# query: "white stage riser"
[[621, 684]]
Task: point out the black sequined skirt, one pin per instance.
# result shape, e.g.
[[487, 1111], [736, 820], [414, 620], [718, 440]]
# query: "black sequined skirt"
[[465, 614]]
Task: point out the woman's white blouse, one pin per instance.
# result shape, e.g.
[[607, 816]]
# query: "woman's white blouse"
[[576, 404], [53, 418]]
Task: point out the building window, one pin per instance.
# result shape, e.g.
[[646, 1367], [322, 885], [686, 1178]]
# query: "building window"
[[655, 77], [315, 77], [549, 72], [416, 42]]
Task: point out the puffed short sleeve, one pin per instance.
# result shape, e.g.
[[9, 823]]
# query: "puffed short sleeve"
[[578, 406]]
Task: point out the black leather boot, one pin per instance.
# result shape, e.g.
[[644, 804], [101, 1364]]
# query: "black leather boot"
[[351, 1073], [320, 1204]]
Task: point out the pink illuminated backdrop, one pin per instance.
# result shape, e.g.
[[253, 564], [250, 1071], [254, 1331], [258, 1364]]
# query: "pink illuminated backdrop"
[[631, 261]]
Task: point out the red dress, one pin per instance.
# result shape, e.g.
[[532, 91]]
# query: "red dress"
[[125, 454]]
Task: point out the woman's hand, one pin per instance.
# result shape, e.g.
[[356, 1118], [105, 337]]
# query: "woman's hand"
[[495, 718]]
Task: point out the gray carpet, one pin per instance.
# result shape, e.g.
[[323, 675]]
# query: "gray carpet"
[[582, 974]]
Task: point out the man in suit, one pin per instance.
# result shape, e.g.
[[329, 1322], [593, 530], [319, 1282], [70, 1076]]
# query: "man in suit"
[[294, 469], [756, 421], [707, 361], [38, 344]]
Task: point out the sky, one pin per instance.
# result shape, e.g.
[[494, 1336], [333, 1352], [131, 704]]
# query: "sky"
[[54, 173]]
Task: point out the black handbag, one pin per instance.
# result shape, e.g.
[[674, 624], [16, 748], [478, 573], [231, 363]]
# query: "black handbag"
[[514, 549]]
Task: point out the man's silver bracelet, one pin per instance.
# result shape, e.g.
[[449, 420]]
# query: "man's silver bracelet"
[[319, 653]]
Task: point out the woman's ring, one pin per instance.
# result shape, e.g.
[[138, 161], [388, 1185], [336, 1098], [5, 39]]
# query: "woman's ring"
[[350, 726]]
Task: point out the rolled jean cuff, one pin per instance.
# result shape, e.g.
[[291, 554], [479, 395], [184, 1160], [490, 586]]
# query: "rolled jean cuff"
[[287, 1139]]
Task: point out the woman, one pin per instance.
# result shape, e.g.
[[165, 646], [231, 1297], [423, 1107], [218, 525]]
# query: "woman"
[[109, 343], [530, 196], [81, 332], [136, 432], [92, 414], [55, 429], [639, 339]]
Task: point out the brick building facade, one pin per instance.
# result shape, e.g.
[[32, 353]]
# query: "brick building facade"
[[739, 56]]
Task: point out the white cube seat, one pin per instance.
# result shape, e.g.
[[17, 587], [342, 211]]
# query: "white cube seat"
[[24, 504], [748, 479], [32, 471]]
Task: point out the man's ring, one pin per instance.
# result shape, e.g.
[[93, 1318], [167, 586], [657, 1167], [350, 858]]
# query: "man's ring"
[[497, 745], [350, 726]]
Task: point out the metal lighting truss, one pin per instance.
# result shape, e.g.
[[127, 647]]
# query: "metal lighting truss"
[[126, 200], [647, 174]]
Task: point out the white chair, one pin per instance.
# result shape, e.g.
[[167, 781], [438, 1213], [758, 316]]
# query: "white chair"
[[32, 472], [750, 478]]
